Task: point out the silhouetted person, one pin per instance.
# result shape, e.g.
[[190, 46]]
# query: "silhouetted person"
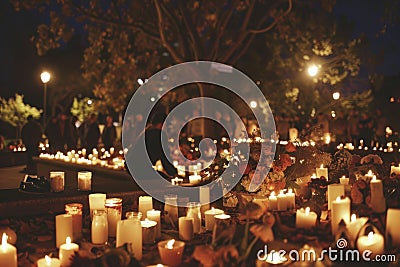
[[90, 133], [109, 134], [31, 136], [52, 134]]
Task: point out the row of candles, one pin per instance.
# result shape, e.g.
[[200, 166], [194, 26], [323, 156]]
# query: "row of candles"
[[57, 181]]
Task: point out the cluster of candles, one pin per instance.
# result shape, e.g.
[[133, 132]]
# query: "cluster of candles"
[[101, 158], [390, 147], [283, 201]]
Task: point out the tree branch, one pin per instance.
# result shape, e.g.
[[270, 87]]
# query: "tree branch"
[[276, 20], [194, 39]]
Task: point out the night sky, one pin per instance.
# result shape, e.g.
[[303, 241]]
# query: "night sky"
[[21, 67]]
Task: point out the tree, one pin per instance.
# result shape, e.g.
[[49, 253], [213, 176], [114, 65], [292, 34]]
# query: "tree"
[[83, 108], [15, 112]]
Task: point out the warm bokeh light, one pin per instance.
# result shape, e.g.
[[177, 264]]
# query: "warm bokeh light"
[[253, 104], [45, 77], [312, 70], [336, 95]]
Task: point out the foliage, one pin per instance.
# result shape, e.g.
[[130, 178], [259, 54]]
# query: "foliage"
[[83, 108], [15, 112]]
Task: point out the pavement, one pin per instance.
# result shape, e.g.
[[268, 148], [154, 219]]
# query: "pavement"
[[10, 177]]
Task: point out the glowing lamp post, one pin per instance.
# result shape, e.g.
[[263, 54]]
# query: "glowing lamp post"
[[312, 70], [45, 77]]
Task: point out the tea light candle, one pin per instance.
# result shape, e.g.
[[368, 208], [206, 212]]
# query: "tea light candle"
[[209, 217], [195, 178], [394, 170], [8, 253], [305, 219], [334, 191], [186, 231], [392, 227], [171, 252], [148, 231], [84, 180], [369, 174], [378, 201], [96, 202], [322, 171], [155, 215], [355, 226], [130, 231], [67, 251], [344, 180], [273, 202], [64, 228], [145, 204], [281, 201], [48, 262], [340, 211], [374, 242], [290, 199]]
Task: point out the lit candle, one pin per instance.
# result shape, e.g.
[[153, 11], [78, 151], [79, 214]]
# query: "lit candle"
[[394, 171], [321, 171], [209, 217], [176, 181], [374, 242], [355, 226], [67, 251], [148, 231], [344, 180], [334, 191], [305, 218], [114, 214], [378, 201], [273, 202], [275, 258], [130, 232], [281, 201], [57, 181], [186, 231], [145, 204], [369, 174], [195, 178], [171, 252], [97, 202], [181, 170], [48, 262], [392, 227], [290, 199], [64, 228], [155, 215], [75, 210], [8, 253], [340, 211], [84, 180]]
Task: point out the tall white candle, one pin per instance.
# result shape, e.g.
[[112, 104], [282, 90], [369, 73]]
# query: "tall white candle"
[[281, 201], [8, 253], [148, 231], [209, 217], [194, 212], [145, 204], [64, 228], [130, 231], [67, 251], [204, 197], [355, 226], [171, 208], [290, 199], [195, 178], [334, 191], [392, 227], [48, 262], [97, 202], [305, 218], [154, 215], [273, 202], [378, 201], [374, 242], [186, 228], [322, 171], [340, 211]]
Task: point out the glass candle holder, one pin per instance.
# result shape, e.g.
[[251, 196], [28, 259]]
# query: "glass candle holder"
[[114, 213], [75, 209], [96, 202], [57, 181], [99, 227], [171, 209], [136, 215], [148, 231], [195, 213], [171, 252], [84, 180]]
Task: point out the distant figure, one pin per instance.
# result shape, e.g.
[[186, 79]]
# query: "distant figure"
[[323, 123], [31, 136], [52, 134], [2, 142], [109, 134], [381, 124], [90, 132]]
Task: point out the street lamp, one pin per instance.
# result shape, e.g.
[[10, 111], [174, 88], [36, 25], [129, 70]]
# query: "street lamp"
[[312, 70], [45, 77], [336, 95]]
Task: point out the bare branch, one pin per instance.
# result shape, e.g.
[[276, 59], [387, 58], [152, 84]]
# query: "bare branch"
[[276, 20], [194, 39]]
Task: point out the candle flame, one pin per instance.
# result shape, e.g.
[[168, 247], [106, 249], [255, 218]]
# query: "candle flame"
[[370, 173], [370, 235], [353, 217], [338, 199], [170, 244], [322, 165], [48, 260], [68, 241], [343, 176], [4, 240], [290, 190], [374, 178], [307, 210], [272, 194], [212, 209], [160, 265]]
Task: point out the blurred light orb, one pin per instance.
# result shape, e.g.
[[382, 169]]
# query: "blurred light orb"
[[45, 77], [253, 104], [312, 70], [336, 95]]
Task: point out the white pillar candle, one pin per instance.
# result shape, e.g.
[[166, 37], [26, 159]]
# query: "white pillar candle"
[[378, 201], [344, 180], [209, 217], [374, 242], [290, 199], [355, 226], [305, 219], [148, 231], [97, 202], [171, 208], [114, 214], [67, 251], [195, 178], [334, 191], [8, 253], [273, 202], [171, 252], [340, 211], [48, 262], [186, 231], [322, 171], [64, 228], [130, 231], [392, 227], [281, 201], [145, 204], [84, 180], [204, 197], [194, 212], [57, 181], [155, 215]]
